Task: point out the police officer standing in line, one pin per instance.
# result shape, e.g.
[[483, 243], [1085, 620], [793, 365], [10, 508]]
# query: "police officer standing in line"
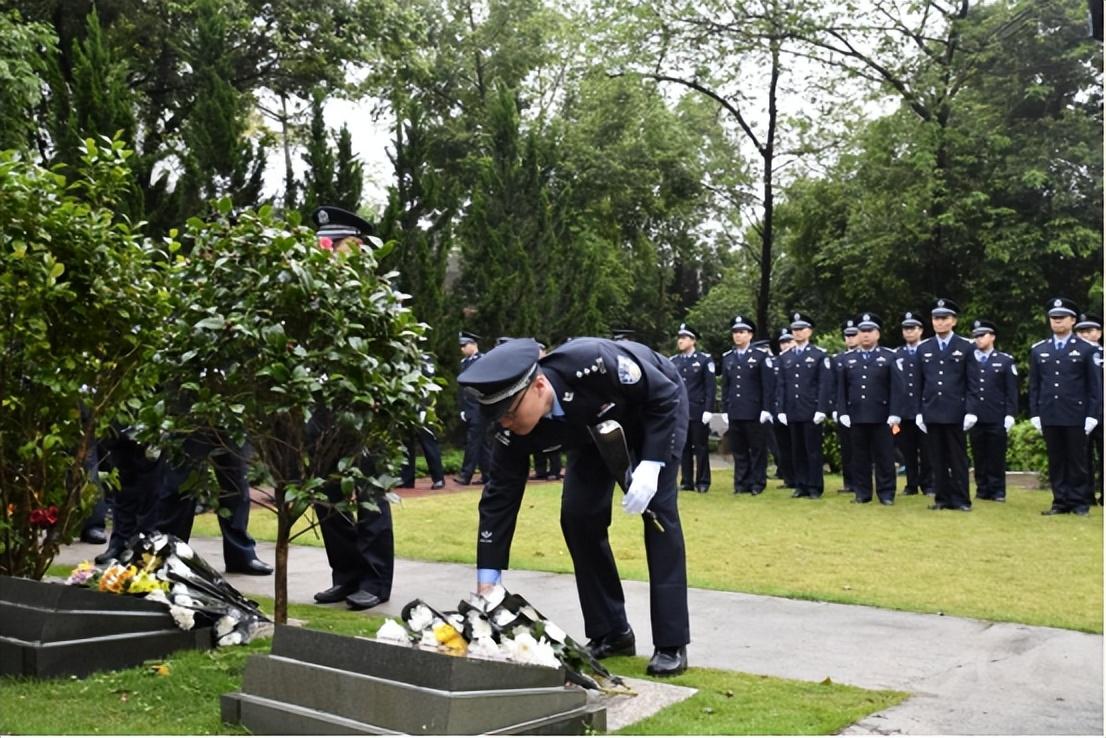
[[748, 396], [476, 441], [1089, 328], [992, 405], [697, 369], [361, 554], [910, 440], [780, 432], [1065, 398], [869, 402], [564, 398], [802, 402], [844, 434], [429, 443], [943, 375]]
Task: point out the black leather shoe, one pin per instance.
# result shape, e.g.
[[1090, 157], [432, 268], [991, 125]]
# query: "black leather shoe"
[[110, 555], [337, 593], [686, 488], [702, 490], [964, 508], [98, 536], [613, 644], [798, 493], [463, 480], [668, 662], [1081, 512], [860, 502], [438, 484], [1054, 511], [362, 600], [998, 499], [256, 567], [404, 485], [910, 491], [938, 506], [755, 492], [887, 502]]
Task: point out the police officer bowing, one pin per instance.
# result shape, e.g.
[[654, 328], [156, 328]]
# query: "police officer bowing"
[[802, 401], [697, 369], [562, 399], [1065, 398], [869, 402], [992, 405], [943, 375], [748, 395]]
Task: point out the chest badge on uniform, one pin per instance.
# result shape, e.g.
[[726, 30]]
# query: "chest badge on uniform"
[[628, 371]]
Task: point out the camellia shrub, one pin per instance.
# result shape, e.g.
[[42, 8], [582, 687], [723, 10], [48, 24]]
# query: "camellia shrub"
[[80, 310], [270, 331]]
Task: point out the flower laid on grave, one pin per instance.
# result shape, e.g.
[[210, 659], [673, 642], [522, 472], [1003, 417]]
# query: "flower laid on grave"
[[164, 569], [502, 627]]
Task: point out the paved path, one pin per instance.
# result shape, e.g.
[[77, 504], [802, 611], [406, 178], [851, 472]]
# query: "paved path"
[[965, 676]]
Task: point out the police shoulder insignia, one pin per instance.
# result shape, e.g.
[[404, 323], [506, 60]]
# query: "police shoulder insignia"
[[628, 370]]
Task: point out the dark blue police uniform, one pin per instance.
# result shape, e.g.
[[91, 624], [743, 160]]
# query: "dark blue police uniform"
[[992, 397], [805, 387], [844, 435], [943, 375], [477, 444], [869, 391], [1065, 388], [594, 380], [910, 441], [429, 443], [748, 390], [697, 370]]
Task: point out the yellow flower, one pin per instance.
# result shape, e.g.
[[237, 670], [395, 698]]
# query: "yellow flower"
[[144, 582], [450, 639]]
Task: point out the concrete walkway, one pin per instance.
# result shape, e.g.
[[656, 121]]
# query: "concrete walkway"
[[967, 677]]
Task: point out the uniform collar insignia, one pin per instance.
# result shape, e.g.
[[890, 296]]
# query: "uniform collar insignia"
[[568, 397]]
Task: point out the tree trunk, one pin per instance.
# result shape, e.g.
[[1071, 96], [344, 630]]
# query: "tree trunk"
[[764, 290], [280, 585]]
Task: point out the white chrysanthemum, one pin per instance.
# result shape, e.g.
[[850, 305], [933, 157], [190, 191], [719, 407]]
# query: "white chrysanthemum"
[[544, 654], [393, 632], [230, 639], [525, 650], [157, 595], [420, 618], [481, 628], [457, 620], [502, 617], [224, 625], [428, 639], [486, 648], [184, 618]]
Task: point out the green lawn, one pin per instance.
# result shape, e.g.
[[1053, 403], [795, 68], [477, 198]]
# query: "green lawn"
[[1000, 562], [185, 701]]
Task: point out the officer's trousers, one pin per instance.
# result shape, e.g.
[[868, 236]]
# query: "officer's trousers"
[[1094, 460], [873, 450], [477, 449], [785, 468], [950, 464], [585, 517], [140, 478], [806, 457], [749, 446], [361, 553], [430, 450], [845, 445], [911, 443], [1067, 467], [989, 458], [547, 464], [695, 463]]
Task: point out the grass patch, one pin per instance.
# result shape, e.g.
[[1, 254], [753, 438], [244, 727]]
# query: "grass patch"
[[186, 700], [1001, 562]]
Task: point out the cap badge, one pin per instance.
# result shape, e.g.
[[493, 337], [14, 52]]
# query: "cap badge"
[[1057, 303], [867, 317], [940, 303], [323, 217], [909, 316], [976, 324], [795, 317]]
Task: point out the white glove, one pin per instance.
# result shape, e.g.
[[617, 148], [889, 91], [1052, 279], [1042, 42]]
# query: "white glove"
[[1008, 423], [969, 421], [463, 418], [725, 419], [894, 420], [782, 417], [845, 420], [765, 416], [918, 421], [706, 417], [836, 418], [818, 418], [643, 485], [1089, 425], [1036, 423]]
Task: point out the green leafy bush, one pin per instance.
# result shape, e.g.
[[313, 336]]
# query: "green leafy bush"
[[1026, 450]]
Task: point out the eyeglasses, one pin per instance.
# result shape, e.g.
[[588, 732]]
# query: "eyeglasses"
[[509, 417]]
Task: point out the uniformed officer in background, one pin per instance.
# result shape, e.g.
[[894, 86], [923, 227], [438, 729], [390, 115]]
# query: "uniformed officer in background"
[[426, 439], [477, 446], [910, 440], [802, 403], [991, 407], [1065, 399], [780, 432], [361, 551], [748, 396], [869, 404], [697, 369], [560, 399], [943, 378], [1089, 328], [844, 433]]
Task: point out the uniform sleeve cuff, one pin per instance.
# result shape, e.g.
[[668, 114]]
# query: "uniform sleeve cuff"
[[488, 576]]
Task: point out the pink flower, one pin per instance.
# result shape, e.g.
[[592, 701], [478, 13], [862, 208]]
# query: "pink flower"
[[326, 244]]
